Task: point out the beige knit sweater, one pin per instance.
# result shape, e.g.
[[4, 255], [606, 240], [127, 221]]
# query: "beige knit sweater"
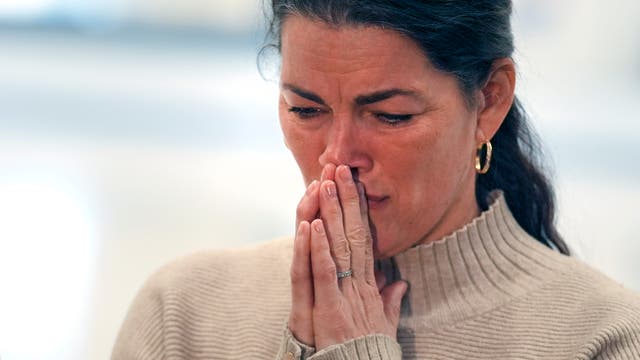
[[488, 291]]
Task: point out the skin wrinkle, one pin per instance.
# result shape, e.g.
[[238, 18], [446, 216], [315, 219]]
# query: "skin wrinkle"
[[338, 66], [348, 101], [365, 98]]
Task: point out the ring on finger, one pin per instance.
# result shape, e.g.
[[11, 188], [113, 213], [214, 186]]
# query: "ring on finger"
[[344, 274]]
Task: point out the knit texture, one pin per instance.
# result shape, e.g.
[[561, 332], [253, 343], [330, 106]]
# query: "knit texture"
[[488, 291]]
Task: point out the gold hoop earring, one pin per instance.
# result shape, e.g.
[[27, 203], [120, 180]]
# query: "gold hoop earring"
[[487, 161]]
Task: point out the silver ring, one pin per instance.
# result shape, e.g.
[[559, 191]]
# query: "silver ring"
[[344, 274]]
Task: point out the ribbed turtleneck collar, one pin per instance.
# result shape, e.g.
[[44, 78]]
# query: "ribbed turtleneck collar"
[[477, 268]]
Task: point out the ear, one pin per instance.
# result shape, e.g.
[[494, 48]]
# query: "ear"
[[496, 99]]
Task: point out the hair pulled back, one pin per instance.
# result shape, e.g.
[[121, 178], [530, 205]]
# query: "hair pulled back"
[[462, 38]]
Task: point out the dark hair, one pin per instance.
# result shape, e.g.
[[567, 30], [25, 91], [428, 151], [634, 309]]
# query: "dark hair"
[[462, 38]]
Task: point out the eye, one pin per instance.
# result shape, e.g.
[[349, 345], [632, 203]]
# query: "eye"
[[394, 119], [305, 112]]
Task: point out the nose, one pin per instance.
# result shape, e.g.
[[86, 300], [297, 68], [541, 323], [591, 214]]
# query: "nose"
[[346, 144]]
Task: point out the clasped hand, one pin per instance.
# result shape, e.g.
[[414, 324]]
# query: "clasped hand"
[[326, 310]]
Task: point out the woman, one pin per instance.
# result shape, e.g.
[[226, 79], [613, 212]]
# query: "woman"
[[426, 230]]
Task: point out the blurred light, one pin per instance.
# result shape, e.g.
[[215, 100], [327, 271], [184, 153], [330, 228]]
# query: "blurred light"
[[47, 255], [228, 16], [24, 8]]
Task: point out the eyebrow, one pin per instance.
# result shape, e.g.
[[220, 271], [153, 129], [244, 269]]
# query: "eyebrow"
[[384, 95], [304, 94], [360, 100]]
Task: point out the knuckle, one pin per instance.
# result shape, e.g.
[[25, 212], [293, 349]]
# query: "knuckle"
[[322, 311], [341, 247], [351, 198], [327, 274], [298, 276], [344, 259], [357, 235], [331, 310], [371, 292], [334, 211], [297, 317]]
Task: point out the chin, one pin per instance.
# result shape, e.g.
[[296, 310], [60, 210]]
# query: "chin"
[[383, 248]]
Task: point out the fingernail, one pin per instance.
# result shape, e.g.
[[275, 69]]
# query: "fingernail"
[[318, 227], [312, 186], [325, 170], [301, 227], [407, 285], [345, 173], [330, 188]]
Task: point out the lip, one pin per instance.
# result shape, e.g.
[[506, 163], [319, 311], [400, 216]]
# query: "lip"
[[376, 202]]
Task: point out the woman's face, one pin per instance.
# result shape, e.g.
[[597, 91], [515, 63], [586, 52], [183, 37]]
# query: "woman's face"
[[368, 98]]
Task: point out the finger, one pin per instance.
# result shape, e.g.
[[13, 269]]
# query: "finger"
[[301, 317], [368, 247], [364, 206], [325, 281], [331, 214], [392, 299], [381, 280], [309, 205], [328, 172], [354, 229]]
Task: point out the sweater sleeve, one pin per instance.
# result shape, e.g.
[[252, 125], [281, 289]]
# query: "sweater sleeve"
[[376, 346], [369, 347], [291, 348]]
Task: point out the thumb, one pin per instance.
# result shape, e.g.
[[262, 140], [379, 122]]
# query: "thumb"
[[392, 298]]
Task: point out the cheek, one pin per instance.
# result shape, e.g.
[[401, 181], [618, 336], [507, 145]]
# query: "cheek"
[[293, 137], [305, 149], [438, 163]]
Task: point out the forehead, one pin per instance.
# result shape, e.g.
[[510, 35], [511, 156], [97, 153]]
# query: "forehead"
[[346, 49]]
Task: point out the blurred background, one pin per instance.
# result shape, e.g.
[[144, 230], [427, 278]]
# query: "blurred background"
[[136, 131]]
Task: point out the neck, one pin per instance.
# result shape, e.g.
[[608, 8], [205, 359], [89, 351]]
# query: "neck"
[[461, 211]]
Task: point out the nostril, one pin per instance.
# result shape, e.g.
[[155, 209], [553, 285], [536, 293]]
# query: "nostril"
[[354, 174]]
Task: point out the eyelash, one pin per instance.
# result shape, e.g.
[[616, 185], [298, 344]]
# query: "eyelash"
[[394, 119], [390, 119], [305, 112]]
